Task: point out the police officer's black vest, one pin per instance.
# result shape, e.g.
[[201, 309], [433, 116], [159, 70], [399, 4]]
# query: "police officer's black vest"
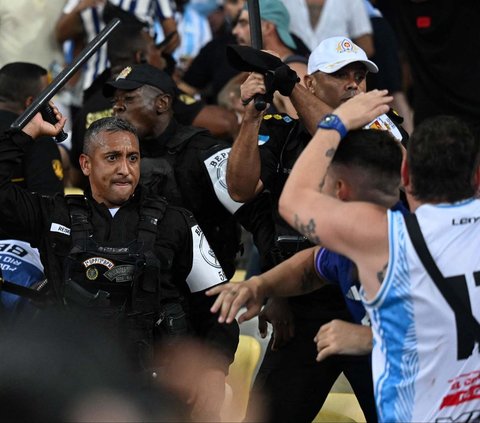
[[100, 275], [161, 175]]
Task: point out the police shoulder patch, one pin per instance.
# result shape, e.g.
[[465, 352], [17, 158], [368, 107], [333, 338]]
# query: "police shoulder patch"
[[280, 118]]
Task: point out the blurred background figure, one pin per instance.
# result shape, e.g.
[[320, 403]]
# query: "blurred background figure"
[[315, 20], [41, 171], [438, 38], [61, 367]]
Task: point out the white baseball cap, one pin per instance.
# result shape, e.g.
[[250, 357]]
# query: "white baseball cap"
[[334, 53]]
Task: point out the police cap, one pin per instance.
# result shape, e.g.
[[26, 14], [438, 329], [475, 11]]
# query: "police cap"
[[136, 76]]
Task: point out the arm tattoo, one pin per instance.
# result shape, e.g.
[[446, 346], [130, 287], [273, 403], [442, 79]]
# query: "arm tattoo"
[[308, 230], [330, 152], [381, 274]]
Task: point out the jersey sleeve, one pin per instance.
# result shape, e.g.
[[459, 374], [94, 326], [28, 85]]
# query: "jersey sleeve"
[[326, 265]]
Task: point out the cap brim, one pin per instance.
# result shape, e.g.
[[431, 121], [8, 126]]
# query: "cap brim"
[[287, 38], [121, 84], [333, 67]]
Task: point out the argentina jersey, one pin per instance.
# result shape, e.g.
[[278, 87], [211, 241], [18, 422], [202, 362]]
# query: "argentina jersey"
[[145, 10], [419, 371]]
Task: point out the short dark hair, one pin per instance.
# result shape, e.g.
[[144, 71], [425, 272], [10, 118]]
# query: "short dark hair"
[[376, 153], [443, 156], [107, 124], [20, 80]]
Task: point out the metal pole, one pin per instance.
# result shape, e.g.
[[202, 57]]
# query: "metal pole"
[[256, 41], [60, 80]]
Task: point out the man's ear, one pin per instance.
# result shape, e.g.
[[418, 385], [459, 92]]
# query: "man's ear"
[[309, 82], [28, 101], [85, 164], [342, 190], [163, 103]]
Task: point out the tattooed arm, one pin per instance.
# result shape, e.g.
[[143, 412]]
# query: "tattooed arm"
[[355, 229], [294, 276]]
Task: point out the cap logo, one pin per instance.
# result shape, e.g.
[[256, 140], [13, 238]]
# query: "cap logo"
[[346, 46], [124, 73]]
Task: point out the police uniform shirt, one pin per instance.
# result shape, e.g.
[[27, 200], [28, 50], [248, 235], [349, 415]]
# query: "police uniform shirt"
[[41, 168], [184, 257]]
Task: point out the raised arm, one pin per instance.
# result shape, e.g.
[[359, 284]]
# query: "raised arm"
[[294, 276], [244, 163], [356, 230]]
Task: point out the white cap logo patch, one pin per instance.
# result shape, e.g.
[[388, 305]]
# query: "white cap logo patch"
[[346, 46]]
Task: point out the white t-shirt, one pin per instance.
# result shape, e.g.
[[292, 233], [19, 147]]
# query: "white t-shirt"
[[343, 18]]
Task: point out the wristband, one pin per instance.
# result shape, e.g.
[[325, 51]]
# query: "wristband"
[[331, 121]]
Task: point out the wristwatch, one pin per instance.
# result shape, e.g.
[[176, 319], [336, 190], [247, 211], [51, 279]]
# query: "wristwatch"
[[331, 121]]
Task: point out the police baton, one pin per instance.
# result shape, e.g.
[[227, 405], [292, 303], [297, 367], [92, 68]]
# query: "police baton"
[[257, 42], [41, 102]]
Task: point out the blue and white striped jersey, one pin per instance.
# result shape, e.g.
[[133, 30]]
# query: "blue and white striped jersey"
[[426, 366]]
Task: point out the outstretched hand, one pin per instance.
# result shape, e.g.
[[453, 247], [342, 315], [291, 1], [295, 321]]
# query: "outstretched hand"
[[38, 127], [363, 108], [235, 295]]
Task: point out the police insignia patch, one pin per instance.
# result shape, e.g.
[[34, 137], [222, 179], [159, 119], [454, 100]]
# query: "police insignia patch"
[[91, 273], [57, 169], [124, 73]]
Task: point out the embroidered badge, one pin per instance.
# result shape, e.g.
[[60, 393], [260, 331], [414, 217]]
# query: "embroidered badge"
[[98, 260], [124, 73], [91, 273], [345, 46]]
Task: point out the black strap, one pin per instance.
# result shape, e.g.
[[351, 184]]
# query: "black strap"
[[81, 227], [19, 290], [152, 210], [466, 322]]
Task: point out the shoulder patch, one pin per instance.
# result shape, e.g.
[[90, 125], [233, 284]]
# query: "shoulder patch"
[[58, 169], [262, 139], [278, 118], [187, 99]]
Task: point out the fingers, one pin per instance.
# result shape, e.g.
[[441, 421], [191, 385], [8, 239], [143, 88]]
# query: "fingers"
[[231, 297], [262, 325], [324, 353]]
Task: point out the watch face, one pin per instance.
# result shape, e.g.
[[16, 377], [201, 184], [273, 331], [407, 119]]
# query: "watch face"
[[328, 119]]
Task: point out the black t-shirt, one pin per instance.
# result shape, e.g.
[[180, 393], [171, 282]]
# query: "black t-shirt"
[[441, 38], [41, 168], [389, 76]]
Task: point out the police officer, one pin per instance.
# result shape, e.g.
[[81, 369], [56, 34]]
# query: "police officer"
[[119, 252], [262, 158], [184, 163]]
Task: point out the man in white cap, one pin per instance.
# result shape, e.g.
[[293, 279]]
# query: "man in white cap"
[[276, 38], [261, 159]]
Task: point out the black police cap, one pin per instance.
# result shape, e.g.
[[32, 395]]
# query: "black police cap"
[[136, 76]]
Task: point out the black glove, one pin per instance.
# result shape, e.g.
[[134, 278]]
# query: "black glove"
[[285, 79]]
